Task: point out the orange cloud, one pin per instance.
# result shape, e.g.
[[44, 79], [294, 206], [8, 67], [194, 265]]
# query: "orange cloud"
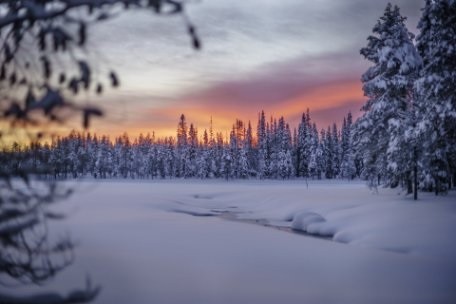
[[322, 98], [328, 103]]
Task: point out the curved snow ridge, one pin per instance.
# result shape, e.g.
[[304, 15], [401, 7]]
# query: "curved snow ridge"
[[312, 223]]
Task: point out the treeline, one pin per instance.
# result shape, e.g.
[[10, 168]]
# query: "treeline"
[[405, 137], [273, 152]]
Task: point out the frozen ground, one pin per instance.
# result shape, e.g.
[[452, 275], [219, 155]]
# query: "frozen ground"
[[141, 241]]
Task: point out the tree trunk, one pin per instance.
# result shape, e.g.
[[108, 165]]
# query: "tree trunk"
[[415, 173], [437, 185], [415, 182], [409, 182]]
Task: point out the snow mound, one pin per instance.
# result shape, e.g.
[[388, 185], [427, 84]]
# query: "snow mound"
[[302, 221]]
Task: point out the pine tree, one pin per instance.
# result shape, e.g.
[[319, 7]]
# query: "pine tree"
[[252, 162], [387, 84], [262, 146], [347, 167], [181, 147], [303, 147], [226, 168], [107, 156], [219, 149], [328, 154], [125, 156], [436, 92], [336, 150], [170, 157], [190, 155], [205, 139], [321, 154], [272, 149], [283, 148], [315, 154]]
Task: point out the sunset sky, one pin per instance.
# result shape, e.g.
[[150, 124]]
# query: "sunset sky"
[[280, 56]]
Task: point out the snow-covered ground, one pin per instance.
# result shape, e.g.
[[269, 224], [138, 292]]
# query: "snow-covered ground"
[[141, 241]]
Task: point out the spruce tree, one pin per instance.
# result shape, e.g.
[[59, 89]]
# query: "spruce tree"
[[303, 147], [336, 151], [181, 147], [436, 92], [387, 84], [190, 154], [347, 167], [283, 148], [262, 146]]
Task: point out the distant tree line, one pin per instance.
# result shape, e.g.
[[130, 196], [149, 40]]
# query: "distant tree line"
[[275, 152], [406, 136]]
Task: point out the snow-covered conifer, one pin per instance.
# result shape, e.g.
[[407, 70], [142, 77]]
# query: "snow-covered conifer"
[[387, 84], [436, 92]]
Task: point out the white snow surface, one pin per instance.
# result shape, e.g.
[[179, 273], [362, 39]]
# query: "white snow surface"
[[348, 212], [190, 241]]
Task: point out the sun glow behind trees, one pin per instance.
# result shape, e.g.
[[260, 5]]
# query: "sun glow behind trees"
[[276, 152], [329, 102]]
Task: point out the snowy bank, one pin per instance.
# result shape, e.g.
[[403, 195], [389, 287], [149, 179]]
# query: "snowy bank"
[[140, 241], [345, 211]]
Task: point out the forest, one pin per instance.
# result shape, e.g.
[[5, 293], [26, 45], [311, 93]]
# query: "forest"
[[272, 152], [406, 135]]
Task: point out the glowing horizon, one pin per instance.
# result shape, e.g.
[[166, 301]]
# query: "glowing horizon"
[[327, 103], [257, 55]]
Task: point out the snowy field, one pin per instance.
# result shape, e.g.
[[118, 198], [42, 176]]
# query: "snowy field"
[[216, 242]]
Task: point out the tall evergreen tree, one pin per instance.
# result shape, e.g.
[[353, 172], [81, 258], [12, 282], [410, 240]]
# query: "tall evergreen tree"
[[347, 167], [336, 150], [182, 147], [328, 153], [387, 84], [250, 151], [436, 92], [262, 146], [303, 142], [190, 154], [283, 148], [315, 154]]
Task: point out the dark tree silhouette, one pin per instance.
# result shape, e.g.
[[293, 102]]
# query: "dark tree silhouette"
[[38, 35], [43, 63]]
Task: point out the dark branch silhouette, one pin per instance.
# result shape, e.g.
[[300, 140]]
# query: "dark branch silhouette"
[[44, 62]]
